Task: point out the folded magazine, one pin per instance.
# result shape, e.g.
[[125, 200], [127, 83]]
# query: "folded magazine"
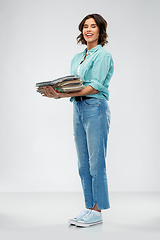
[[67, 84]]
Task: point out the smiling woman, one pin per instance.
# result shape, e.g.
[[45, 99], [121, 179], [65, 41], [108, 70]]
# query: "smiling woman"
[[91, 33], [94, 21], [91, 117]]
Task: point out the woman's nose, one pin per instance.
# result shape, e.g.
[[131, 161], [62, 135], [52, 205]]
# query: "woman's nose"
[[88, 29]]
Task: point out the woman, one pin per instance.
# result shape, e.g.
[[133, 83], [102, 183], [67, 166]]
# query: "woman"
[[91, 117]]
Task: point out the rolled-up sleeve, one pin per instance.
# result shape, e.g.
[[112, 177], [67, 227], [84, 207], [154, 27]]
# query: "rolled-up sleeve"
[[102, 71]]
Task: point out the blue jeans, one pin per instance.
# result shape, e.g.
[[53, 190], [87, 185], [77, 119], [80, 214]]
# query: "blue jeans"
[[91, 119]]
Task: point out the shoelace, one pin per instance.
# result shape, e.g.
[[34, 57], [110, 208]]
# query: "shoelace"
[[87, 216]]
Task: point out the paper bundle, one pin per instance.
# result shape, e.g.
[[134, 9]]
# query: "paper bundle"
[[67, 84]]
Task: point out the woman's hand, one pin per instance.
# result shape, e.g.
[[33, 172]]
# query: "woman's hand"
[[51, 93]]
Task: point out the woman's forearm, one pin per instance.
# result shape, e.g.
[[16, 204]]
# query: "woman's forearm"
[[51, 93], [86, 91]]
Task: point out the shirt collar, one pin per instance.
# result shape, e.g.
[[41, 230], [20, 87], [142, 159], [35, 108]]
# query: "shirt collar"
[[93, 50]]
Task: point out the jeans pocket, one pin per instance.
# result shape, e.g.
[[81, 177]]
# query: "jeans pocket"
[[91, 102]]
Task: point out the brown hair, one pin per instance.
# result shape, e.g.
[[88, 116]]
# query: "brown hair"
[[102, 25]]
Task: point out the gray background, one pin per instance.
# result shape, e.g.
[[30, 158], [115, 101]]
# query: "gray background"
[[37, 43]]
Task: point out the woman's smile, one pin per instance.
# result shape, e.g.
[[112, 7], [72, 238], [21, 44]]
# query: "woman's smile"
[[89, 35]]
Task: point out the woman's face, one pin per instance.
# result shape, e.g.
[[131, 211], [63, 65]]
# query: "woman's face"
[[91, 31]]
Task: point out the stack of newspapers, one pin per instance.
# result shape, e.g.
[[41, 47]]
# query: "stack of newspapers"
[[67, 84]]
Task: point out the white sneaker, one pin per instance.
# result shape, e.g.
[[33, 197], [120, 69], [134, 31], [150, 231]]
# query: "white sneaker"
[[90, 219], [79, 216]]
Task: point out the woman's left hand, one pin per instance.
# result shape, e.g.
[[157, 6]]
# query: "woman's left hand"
[[51, 93]]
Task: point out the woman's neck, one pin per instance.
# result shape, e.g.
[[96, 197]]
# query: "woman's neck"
[[91, 45]]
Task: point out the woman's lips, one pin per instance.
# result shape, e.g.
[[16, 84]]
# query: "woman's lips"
[[89, 35]]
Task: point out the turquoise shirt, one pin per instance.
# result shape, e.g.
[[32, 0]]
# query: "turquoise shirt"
[[96, 70]]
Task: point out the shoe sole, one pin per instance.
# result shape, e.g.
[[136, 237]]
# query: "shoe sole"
[[72, 222], [78, 224]]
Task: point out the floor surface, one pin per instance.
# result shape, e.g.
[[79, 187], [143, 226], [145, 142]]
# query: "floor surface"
[[45, 216]]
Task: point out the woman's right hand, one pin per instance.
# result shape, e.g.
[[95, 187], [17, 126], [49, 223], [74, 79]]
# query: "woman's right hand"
[[51, 93]]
